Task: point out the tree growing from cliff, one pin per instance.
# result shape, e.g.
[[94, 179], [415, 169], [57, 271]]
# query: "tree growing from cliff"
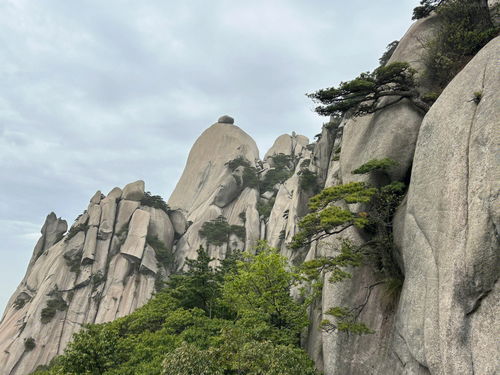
[[330, 214], [465, 26], [362, 95]]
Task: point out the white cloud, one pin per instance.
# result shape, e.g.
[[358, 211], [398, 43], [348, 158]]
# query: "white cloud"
[[97, 94]]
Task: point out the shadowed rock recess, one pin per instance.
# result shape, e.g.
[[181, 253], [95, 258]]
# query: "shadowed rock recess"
[[444, 321]]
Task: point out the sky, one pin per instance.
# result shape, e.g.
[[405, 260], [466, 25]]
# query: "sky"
[[96, 94]]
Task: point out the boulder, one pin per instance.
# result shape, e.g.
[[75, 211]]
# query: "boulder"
[[115, 194], [225, 120], [178, 221], [160, 226], [133, 191], [136, 237], [149, 262], [125, 210], [228, 190]]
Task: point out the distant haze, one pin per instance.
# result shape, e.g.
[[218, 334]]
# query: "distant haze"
[[96, 94]]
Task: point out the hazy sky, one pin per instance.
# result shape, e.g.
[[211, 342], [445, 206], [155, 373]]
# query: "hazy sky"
[[95, 94]]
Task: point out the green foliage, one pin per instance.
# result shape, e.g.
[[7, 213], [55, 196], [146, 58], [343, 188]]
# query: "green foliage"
[[281, 161], [93, 350], [74, 230], [360, 96], [326, 218], [250, 176], [73, 260], [97, 279], [348, 256], [431, 97], [273, 177], [375, 165], [240, 161], [188, 359], [308, 181], [217, 231], [264, 207], [345, 321], [155, 201], [177, 332], [389, 50], [56, 303], [478, 95], [425, 8], [29, 344], [20, 301], [260, 290], [465, 27], [164, 255]]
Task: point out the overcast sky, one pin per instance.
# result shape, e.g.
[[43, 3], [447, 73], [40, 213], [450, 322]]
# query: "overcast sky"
[[95, 94]]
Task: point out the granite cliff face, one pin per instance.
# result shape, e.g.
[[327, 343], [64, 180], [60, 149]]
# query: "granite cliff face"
[[445, 232]]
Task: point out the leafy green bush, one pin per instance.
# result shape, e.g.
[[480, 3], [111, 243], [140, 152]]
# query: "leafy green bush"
[[155, 201], [74, 230], [73, 260], [308, 181], [29, 344], [250, 176], [240, 161], [375, 165], [21, 300], [281, 161], [273, 177], [56, 303], [389, 50], [164, 255], [465, 27], [264, 207], [217, 231]]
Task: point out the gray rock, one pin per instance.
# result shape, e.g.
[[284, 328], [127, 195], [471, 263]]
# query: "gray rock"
[[450, 250], [125, 210], [94, 211], [225, 120], [115, 194], [160, 226], [90, 245], [228, 190], [134, 191], [52, 231], [178, 221], [149, 262], [206, 169], [96, 198], [108, 216], [136, 238]]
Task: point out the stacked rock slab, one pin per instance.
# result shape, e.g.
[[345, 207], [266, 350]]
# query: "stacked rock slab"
[[99, 273]]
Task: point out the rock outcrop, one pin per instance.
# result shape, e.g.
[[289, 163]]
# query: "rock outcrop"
[[101, 269], [445, 233], [449, 305]]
